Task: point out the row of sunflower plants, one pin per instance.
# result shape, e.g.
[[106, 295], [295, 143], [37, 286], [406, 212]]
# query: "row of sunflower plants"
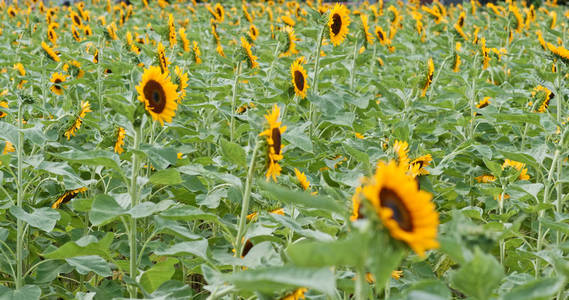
[[283, 150]]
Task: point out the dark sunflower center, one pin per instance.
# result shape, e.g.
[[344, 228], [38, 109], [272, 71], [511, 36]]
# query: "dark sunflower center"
[[156, 96], [299, 80], [336, 24], [57, 81], [253, 31], [461, 22], [401, 214], [77, 20], [276, 136], [380, 35], [246, 248], [219, 13]]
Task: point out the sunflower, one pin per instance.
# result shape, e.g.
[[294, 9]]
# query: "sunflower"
[[3, 104], [131, 44], [560, 52], [483, 103], [296, 295], [219, 49], [485, 178], [76, 19], [253, 32], [75, 33], [85, 108], [246, 13], [298, 74], [543, 94], [51, 34], [401, 149], [57, 79], [381, 37], [404, 210], [251, 59], [112, 31], [458, 26], [87, 30], [456, 63], [338, 23], [417, 166], [20, 68], [365, 29], [219, 13], [288, 20], [184, 38], [121, 134], [8, 148], [158, 94], [197, 53], [182, 82], [96, 56], [67, 196], [162, 59], [429, 78], [541, 40], [50, 52], [518, 166], [171, 31], [291, 42], [273, 134], [302, 179]]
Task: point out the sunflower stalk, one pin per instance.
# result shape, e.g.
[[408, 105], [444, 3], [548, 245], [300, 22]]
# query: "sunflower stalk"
[[360, 284], [20, 199], [133, 202], [547, 185], [353, 70], [246, 199], [315, 78], [233, 100]]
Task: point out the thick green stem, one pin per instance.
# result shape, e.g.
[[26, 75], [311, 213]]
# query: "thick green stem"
[[315, 78], [501, 211], [133, 202], [353, 73], [360, 284], [233, 99], [19, 201], [246, 198]]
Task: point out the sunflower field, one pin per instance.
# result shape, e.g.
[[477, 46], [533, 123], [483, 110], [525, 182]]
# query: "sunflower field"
[[162, 149]]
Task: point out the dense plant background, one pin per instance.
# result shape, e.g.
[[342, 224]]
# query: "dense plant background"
[[161, 219]]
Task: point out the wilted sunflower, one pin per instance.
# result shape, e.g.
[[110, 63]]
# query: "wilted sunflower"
[[274, 142], [121, 134], [251, 59], [57, 79], [429, 77], [182, 82], [253, 32], [50, 52], [298, 74], [158, 94], [405, 211], [67, 196], [338, 23]]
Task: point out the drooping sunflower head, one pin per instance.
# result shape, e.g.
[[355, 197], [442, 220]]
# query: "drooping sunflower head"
[[162, 59], [50, 52], [57, 79], [338, 22], [302, 179], [251, 59], [182, 82], [483, 103], [291, 39], [121, 134], [365, 29], [417, 166], [542, 95], [158, 94], [274, 142], [253, 32], [298, 74], [406, 212]]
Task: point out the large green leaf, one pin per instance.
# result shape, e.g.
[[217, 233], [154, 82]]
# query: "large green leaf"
[[300, 198], [90, 263], [92, 158], [161, 272], [539, 289], [104, 209], [168, 176], [233, 153], [27, 292], [197, 248], [479, 277], [87, 245], [43, 218], [335, 253]]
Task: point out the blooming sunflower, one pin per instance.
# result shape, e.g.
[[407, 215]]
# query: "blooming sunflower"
[[518, 166], [290, 47], [483, 103], [50, 52], [112, 31], [158, 94], [273, 135], [456, 63], [182, 82], [298, 74], [485, 178], [251, 59], [8, 148], [302, 179], [401, 149], [287, 20], [246, 13], [381, 37], [429, 78], [171, 31], [184, 38], [404, 210], [57, 79], [296, 295], [121, 134], [253, 32], [51, 34], [417, 166], [20, 68], [75, 33], [76, 19], [220, 12], [67, 196], [197, 53], [3, 104], [338, 23], [164, 62], [365, 29], [543, 94]]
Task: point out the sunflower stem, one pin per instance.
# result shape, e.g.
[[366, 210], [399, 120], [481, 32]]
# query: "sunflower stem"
[[133, 203], [547, 185], [246, 198], [353, 72], [360, 284], [20, 199], [315, 78], [233, 100]]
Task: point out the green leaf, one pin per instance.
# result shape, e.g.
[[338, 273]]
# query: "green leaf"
[[321, 254], [50, 269], [297, 138], [360, 156], [197, 248], [494, 167], [161, 272], [539, 289], [43, 218], [104, 209], [479, 277], [27, 292], [160, 157], [87, 245], [188, 213], [147, 208], [271, 279], [168, 176], [90, 263], [92, 158], [301, 198], [233, 153]]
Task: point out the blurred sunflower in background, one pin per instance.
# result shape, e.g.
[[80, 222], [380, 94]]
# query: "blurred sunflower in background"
[[338, 22], [57, 79], [274, 142], [298, 74]]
